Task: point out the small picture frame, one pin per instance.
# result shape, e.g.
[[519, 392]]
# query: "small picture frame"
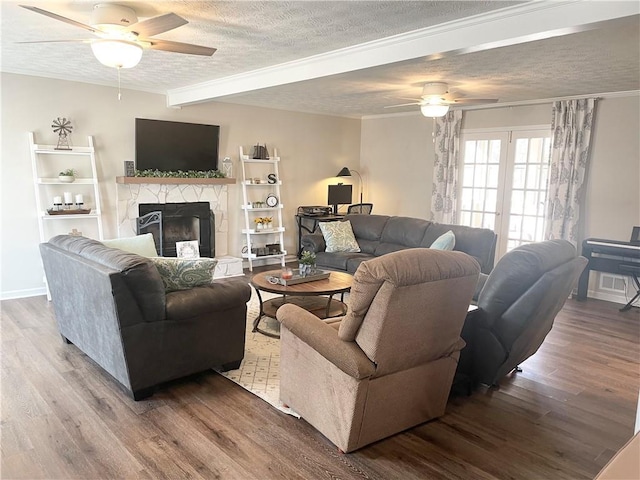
[[129, 168], [188, 249]]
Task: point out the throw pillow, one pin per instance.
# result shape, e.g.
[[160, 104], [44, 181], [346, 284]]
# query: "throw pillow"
[[339, 237], [184, 273], [446, 241], [140, 245]]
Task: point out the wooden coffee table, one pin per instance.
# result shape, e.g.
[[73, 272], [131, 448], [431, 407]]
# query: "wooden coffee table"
[[309, 295]]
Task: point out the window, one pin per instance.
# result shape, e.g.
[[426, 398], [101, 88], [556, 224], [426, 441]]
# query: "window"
[[504, 184]]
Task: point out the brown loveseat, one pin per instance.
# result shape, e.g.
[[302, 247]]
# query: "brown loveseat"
[[388, 364], [112, 305], [380, 234]]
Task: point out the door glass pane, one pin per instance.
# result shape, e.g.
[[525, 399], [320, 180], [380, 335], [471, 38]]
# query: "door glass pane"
[[489, 221], [517, 202], [480, 178], [492, 176], [466, 199], [519, 172], [470, 151], [494, 156], [521, 150], [533, 176], [531, 203], [467, 178]]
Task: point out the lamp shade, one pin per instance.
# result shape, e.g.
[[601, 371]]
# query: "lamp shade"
[[344, 172], [432, 110], [117, 53]]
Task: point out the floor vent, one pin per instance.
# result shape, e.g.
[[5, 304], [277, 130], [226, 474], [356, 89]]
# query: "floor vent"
[[612, 283]]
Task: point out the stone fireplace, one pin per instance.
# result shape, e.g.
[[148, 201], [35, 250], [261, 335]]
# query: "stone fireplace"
[[131, 195]]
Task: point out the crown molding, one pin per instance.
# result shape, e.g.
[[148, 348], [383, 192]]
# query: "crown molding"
[[528, 22]]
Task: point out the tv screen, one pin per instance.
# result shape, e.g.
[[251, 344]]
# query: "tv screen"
[[172, 146]]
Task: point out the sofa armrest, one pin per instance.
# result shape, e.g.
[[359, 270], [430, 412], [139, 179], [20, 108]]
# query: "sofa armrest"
[[219, 296], [323, 338], [313, 242]]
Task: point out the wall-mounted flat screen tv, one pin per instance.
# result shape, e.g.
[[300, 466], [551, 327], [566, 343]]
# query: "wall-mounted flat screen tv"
[[172, 146]]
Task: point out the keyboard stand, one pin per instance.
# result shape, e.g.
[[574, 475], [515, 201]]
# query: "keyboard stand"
[[633, 271]]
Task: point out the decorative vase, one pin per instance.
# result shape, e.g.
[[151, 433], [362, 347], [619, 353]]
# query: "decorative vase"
[[67, 178], [259, 226]]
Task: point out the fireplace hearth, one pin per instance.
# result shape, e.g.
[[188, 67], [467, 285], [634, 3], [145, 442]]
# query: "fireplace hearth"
[[183, 222]]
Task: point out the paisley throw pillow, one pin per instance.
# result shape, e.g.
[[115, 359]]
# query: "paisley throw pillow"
[[339, 237], [184, 273]]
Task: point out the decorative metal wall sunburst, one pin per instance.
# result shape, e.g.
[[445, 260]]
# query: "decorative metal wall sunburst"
[[63, 128]]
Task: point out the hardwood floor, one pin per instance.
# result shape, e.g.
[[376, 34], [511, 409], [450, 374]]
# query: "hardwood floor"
[[563, 417]]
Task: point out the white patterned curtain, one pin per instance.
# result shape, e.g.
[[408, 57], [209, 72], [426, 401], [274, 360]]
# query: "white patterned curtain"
[[444, 194], [571, 129]]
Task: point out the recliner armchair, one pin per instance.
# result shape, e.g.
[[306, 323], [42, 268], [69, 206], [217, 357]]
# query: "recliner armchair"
[[517, 304], [388, 364]]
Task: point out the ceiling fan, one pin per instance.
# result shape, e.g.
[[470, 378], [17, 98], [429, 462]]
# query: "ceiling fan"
[[121, 38], [435, 100]]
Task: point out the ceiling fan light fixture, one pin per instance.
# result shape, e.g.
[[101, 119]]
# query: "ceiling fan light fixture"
[[117, 53], [434, 110]]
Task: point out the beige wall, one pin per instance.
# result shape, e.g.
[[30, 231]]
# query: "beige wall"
[[613, 184], [397, 161], [313, 148]]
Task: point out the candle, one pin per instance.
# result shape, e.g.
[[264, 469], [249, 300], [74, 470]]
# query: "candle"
[[68, 197], [79, 198], [57, 200]]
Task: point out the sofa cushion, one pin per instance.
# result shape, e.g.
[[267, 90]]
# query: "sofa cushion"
[[185, 273], [143, 245], [339, 237], [354, 262], [336, 261], [477, 242], [400, 233], [446, 241], [368, 230]]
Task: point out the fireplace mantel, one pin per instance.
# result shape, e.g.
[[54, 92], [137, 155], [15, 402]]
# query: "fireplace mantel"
[[175, 181]]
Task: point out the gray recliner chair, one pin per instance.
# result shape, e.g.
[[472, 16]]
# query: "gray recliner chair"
[[517, 304]]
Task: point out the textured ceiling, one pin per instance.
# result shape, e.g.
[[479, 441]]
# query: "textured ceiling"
[[251, 35]]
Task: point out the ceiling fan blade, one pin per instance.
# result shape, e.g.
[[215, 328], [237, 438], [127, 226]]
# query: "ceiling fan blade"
[[61, 18], [403, 105], [473, 101], [178, 47], [79, 40], [156, 25]]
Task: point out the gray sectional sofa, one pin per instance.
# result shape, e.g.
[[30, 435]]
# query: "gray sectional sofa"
[[380, 234]]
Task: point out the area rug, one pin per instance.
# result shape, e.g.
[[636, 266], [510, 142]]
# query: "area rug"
[[259, 371]]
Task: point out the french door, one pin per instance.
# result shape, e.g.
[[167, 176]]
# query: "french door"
[[504, 184]]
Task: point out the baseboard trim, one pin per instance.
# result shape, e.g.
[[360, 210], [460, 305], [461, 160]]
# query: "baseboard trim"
[[29, 292], [609, 297]]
